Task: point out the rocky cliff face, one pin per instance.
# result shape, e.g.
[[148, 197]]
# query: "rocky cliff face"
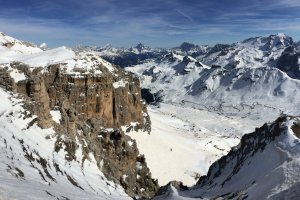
[[91, 108], [116, 100]]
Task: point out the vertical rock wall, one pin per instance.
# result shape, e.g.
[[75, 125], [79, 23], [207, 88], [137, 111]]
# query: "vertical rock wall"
[[88, 95], [93, 108]]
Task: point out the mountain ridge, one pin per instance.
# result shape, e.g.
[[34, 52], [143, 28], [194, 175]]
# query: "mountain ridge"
[[235, 175]]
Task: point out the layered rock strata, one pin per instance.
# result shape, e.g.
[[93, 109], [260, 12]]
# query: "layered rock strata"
[[92, 109]]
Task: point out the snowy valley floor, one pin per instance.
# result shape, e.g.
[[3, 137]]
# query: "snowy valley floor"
[[185, 141]]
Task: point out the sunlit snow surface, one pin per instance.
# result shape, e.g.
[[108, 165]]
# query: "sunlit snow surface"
[[185, 141], [24, 148], [30, 167], [12, 50], [56, 115], [270, 173], [206, 110]]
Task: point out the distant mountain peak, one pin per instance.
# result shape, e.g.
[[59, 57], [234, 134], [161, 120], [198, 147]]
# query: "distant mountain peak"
[[186, 46], [281, 35], [277, 40], [105, 47], [140, 47]]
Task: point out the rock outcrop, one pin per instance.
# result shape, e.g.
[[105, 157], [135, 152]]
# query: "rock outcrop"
[[93, 108], [91, 96]]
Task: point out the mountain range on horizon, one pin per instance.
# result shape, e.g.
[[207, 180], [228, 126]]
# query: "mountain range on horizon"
[[184, 45]]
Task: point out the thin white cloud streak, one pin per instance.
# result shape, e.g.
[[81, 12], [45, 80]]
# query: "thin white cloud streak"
[[238, 15], [265, 24], [125, 28], [55, 30], [287, 3], [173, 33], [45, 6], [185, 15]]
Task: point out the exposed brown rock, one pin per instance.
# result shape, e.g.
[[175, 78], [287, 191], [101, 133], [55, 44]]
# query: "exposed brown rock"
[[8, 45], [296, 129], [6, 81], [90, 104], [37, 91], [95, 97], [119, 159]]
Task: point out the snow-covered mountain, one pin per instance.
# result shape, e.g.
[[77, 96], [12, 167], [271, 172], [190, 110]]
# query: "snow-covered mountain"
[[141, 53], [140, 48], [278, 50], [13, 50], [265, 165], [214, 83], [253, 53], [65, 112], [248, 94], [191, 49], [62, 114], [124, 56], [181, 79]]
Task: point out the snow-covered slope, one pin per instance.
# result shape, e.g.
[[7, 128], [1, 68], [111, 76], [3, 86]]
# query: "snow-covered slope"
[[30, 168], [188, 138], [209, 101], [11, 48], [265, 165], [252, 52], [237, 91], [214, 101], [77, 97], [76, 64], [44, 58], [279, 51], [86, 62]]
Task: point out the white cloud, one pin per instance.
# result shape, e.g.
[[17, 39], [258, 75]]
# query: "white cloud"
[[287, 3], [185, 15]]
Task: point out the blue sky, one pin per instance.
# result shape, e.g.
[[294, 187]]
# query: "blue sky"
[[158, 23]]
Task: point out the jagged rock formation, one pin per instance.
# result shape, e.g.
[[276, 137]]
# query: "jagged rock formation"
[[91, 96], [93, 100]]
